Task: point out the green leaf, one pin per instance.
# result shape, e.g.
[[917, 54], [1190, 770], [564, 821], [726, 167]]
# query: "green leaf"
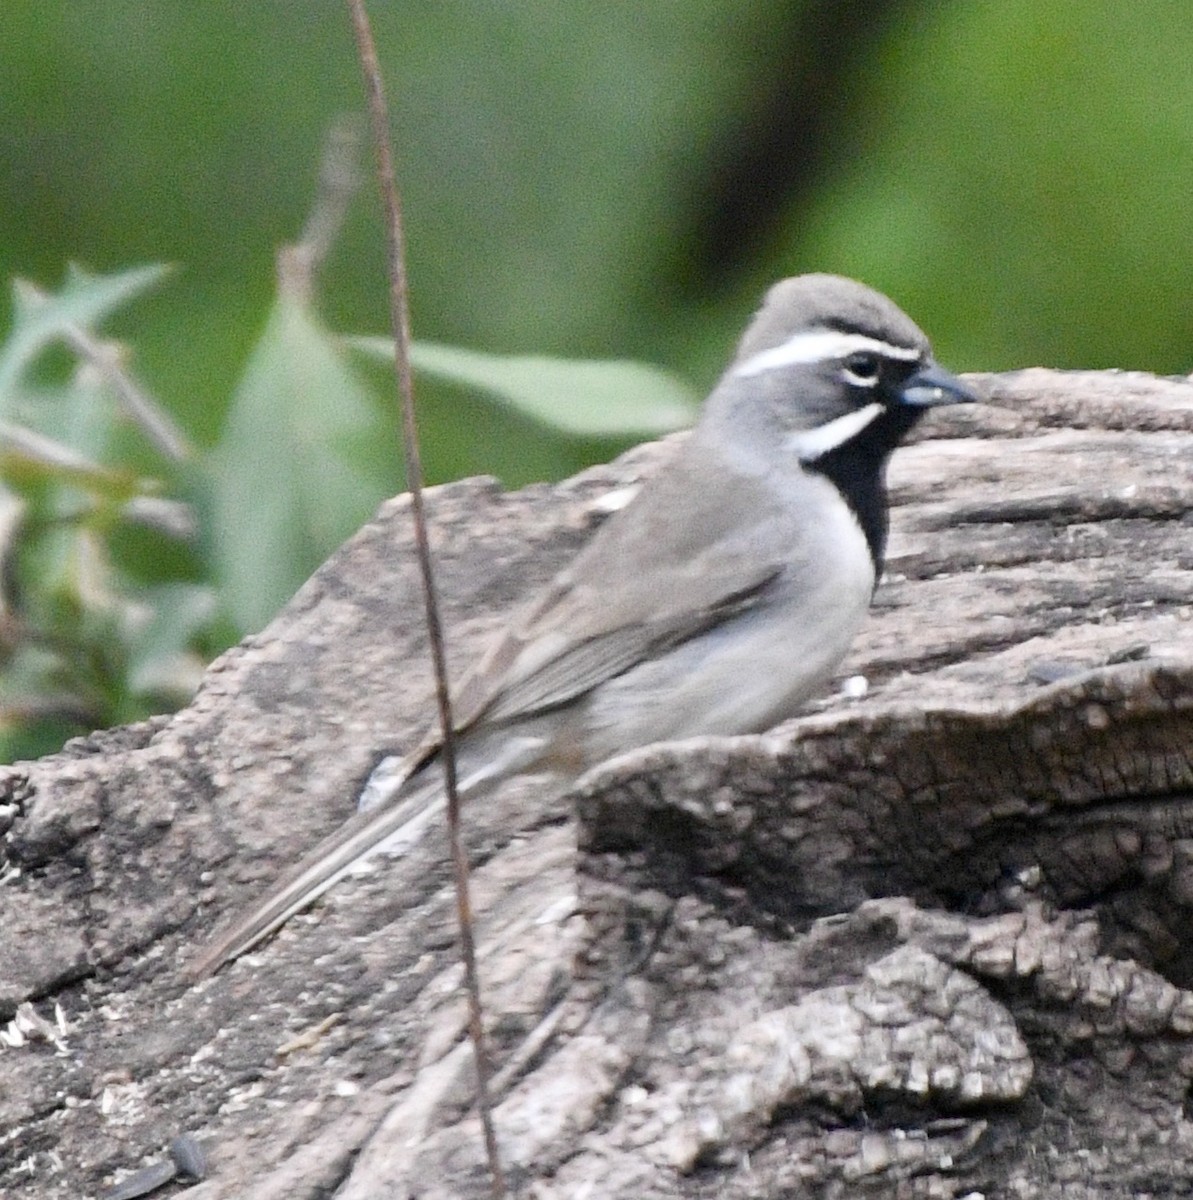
[[304, 458], [39, 319], [579, 397]]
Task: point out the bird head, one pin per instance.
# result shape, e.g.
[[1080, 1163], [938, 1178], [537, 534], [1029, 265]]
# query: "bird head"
[[828, 361]]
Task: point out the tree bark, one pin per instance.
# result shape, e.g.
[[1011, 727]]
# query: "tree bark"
[[929, 941]]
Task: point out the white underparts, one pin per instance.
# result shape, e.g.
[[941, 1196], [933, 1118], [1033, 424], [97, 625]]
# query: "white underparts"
[[820, 345], [516, 754], [810, 444]]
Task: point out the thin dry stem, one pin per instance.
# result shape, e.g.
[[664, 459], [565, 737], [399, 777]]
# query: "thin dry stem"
[[339, 181], [400, 320]]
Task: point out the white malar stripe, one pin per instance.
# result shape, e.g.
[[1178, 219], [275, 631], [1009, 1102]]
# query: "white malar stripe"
[[810, 444], [819, 345]]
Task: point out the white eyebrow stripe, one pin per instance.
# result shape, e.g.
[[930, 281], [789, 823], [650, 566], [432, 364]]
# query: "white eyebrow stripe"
[[810, 444], [819, 345]]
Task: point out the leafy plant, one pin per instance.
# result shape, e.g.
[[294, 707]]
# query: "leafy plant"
[[85, 640], [127, 561]]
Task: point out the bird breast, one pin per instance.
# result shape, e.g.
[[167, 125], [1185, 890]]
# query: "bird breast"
[[758, 667]]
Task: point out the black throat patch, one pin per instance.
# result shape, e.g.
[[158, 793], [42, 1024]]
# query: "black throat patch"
[[858, 469]]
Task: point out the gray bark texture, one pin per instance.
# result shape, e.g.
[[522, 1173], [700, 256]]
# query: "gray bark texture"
[[933, 941]]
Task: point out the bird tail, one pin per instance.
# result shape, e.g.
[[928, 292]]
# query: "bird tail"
[[395, 827], [401, 798]]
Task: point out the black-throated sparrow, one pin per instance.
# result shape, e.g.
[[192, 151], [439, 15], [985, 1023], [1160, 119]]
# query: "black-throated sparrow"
[[716, 602]]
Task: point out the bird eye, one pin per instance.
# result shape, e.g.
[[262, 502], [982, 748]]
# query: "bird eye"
[[861, 369]]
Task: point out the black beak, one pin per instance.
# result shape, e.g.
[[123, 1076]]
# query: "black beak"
[[932, 385]]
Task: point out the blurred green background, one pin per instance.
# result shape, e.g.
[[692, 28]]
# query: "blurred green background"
[[610, 180], [587, 180]]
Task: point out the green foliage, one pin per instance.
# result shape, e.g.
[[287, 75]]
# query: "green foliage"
[[37, 322], [580, 399], [93, 631], [305, 456], [84, 642]]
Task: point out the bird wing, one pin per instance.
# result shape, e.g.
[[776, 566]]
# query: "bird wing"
[[680, 560], [575, 667]]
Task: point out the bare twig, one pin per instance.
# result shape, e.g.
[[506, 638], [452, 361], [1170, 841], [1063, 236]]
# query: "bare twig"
[[137, 403], [18, 442], [107, 359], [400, 321], [339, 181]]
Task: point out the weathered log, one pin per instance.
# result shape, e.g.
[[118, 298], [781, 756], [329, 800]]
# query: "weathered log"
[[928, 942]]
